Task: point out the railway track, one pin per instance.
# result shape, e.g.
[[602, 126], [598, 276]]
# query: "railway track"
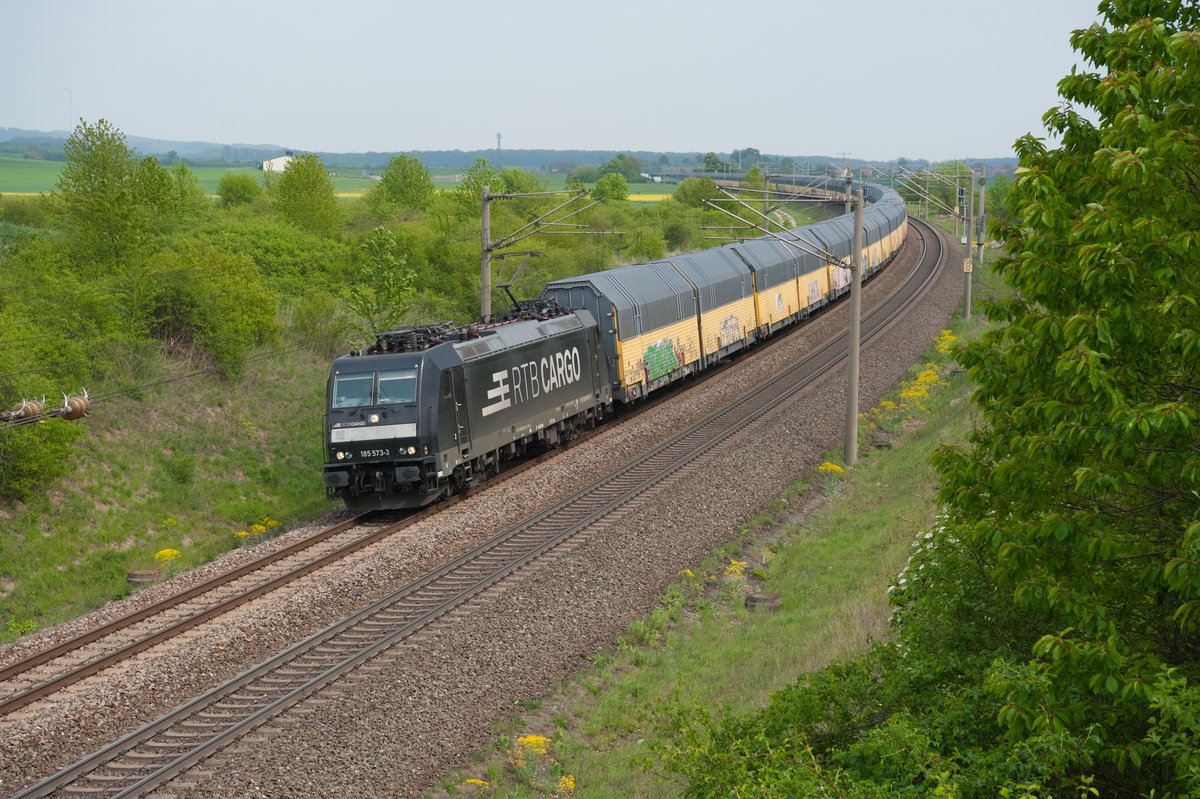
[[173, 744], [58, 667]]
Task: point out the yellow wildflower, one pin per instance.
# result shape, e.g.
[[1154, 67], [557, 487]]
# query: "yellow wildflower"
[[535, 743], [830, 467], [166, 555], [944, 342]]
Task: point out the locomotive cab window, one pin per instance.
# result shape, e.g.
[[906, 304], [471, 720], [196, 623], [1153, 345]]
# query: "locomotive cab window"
[[398, 387], [352, 390]]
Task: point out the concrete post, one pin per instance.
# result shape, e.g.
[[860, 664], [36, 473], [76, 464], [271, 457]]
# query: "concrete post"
[[968, 236], [485, 276], [855, 315]]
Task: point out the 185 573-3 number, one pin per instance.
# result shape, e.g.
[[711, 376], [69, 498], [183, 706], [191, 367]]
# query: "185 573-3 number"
[[374, 453]]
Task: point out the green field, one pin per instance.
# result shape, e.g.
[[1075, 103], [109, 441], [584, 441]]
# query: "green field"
[[23, 176]]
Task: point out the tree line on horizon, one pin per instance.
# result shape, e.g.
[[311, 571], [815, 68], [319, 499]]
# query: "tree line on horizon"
[[35, 145]]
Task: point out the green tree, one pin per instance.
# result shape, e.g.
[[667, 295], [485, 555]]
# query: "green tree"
[[306, 196], [1085, 479], [586, 173], [291, 261], [693, 191], [155, 192], [520, 181], [997, 197], [747, 158], [713, 163], [405, 184], [469, 194], [237, 188], [214, 299], [190, 198], [611, 187], [32, 455], [626, 165], [384, 292], [1049, 633], [98, 186], [754, 180]]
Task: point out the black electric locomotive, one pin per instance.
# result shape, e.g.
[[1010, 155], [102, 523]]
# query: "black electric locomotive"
[[428, 410]]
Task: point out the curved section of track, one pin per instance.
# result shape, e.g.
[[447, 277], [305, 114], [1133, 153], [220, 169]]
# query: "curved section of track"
[[155, 754]]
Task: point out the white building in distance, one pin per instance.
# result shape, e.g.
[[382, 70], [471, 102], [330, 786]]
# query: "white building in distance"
[[277, 164]]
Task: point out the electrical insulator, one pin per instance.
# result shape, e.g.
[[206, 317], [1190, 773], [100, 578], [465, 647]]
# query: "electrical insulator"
[[75, 407], [27, 409]]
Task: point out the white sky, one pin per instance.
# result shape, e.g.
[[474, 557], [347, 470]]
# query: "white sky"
[[356, 75]]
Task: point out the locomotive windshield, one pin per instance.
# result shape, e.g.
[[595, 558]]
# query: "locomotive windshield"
[[397, 387], [356, 389]]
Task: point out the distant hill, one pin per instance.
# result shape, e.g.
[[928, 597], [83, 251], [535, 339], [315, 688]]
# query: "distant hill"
[[47, 145]]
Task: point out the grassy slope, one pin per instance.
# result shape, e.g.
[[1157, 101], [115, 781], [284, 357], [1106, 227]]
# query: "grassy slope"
[[185, 467], [829, 548], [830, 565]]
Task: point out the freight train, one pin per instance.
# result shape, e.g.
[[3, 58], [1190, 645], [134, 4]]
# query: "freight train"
[[429, 410]]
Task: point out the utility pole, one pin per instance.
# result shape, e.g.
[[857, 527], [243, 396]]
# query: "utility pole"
[[553, 221], [767, 196], [851, 452], [849, 183], [967, 239], [958, 195], [485, 276]]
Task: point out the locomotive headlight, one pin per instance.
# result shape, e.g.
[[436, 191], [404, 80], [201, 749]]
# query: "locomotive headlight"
[[374, 418], [412, 450], [340, 455]]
